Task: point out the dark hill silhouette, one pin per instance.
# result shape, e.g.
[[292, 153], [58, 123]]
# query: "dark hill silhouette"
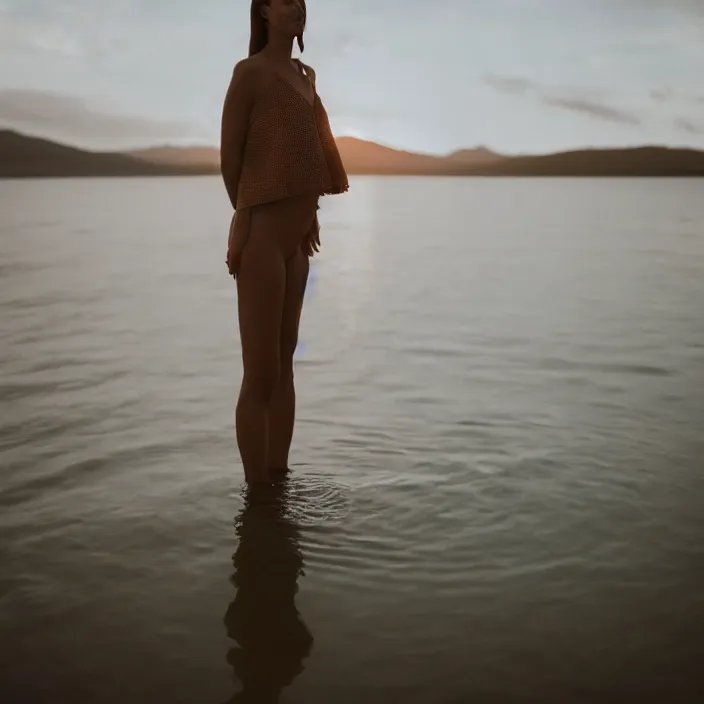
[[359, 156], [207, 158], [639, 161], [479, 155], [363, 157], [22, 157]]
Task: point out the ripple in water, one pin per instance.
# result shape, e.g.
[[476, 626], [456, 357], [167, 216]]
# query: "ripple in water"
[[309, 500], [500, 425]]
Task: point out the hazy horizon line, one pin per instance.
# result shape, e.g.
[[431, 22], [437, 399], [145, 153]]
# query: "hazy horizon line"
[[194, 144]]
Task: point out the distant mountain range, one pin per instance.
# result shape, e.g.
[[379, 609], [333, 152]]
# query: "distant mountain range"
[[22, 156]]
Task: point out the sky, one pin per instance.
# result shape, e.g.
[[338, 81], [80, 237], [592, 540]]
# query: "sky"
[[517, 76]]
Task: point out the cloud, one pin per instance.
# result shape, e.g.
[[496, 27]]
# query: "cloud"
[[36, 32], [694, 9], [661, 95], [669, 94], [511, 85], [516, 85], [592, 109], [689, 127], [70, 119]]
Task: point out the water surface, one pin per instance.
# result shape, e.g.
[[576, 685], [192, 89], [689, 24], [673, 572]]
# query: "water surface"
[[498, 463]]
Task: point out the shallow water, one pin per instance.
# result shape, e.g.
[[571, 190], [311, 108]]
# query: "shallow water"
[[498, 463]]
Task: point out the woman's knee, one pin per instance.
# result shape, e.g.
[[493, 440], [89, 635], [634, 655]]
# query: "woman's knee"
[[260, 384], [286, 368]]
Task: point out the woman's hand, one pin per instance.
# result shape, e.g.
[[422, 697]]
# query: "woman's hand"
[[236, 240], [311, 243]]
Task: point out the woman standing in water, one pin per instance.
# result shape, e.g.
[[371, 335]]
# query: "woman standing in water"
[[278, 156]]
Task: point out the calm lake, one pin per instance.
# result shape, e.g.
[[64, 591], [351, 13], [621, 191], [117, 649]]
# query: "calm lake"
[[498, 462]]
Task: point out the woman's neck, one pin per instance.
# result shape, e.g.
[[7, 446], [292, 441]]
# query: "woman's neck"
[[279, 47]]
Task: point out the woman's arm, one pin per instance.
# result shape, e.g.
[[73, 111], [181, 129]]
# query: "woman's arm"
[[332, 154], [238, 104]]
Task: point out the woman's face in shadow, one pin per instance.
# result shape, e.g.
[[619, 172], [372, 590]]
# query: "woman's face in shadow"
[[286, 16]]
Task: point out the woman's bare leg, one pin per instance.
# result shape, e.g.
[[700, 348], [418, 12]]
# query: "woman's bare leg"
[[261, 289], [282, 410]]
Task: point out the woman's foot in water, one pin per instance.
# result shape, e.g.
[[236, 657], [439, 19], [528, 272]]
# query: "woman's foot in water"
[[256, 479], [276, 473], [264, 493]]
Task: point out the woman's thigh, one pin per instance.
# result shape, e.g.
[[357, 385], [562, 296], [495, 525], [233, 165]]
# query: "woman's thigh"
[[297, 268], [261, 291], [286, 221]]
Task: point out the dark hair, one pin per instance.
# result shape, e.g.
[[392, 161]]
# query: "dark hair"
[[259, 33]]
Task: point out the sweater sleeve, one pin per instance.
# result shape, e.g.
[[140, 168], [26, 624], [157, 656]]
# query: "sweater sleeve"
[[239, 100], [332, 154]]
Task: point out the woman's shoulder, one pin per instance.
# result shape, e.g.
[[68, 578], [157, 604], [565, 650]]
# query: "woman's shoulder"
[[246, 69], [252, 72]]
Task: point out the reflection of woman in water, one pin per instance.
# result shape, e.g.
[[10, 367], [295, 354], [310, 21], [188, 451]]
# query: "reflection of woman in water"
[[278, 156], [272, 638]]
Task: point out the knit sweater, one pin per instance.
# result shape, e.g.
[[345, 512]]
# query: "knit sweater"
[[275, 144]]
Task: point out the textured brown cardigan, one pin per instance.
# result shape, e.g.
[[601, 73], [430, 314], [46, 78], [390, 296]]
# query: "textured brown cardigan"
[[274, 143]]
